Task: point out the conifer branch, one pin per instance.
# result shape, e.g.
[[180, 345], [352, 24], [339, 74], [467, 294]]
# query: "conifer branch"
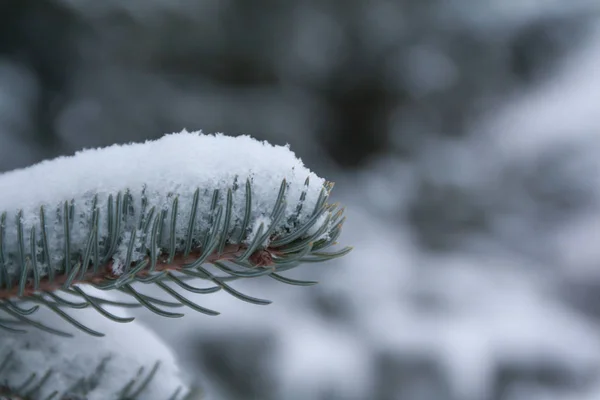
[[222, 214], [33, 385]]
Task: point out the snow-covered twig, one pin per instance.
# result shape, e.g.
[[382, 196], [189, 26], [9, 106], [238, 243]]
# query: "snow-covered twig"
[[155, 213], [38, 365]]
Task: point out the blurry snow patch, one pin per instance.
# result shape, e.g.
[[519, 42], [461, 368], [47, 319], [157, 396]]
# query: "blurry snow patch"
[[560, 111], [110, 361], [319, 360], [476, 313], [549, 136], [577, 246]]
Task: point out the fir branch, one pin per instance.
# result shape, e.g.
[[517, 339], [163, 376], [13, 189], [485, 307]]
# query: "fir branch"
[[32, 386], [38, 365], [244, 207]]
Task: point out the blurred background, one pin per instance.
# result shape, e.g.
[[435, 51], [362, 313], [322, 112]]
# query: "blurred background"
[[464, 137]]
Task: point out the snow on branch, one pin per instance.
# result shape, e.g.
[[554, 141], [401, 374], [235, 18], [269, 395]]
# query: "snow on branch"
[[39, 365], [156, 213]]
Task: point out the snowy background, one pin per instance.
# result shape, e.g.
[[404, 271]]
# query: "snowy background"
[[464, 137]]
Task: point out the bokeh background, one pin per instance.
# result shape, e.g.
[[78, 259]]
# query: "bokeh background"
[[464, 137]]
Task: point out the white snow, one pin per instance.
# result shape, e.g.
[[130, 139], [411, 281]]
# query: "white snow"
[[173, 166], [338, 364], [263, 221], [315, 228], [128, 346], [558, 112]]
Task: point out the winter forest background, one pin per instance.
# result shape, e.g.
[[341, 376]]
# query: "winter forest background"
[[464, 137]]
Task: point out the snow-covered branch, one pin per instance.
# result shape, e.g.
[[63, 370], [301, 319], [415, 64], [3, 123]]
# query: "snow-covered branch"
[[39, 365], [157, 212]]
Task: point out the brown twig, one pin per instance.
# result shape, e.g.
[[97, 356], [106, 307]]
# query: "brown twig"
[[260, 258]]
